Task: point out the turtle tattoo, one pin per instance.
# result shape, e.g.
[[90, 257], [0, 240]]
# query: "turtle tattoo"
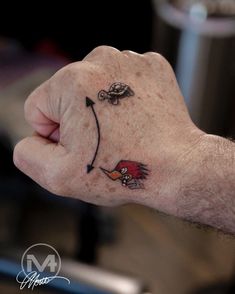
[[116, 91]]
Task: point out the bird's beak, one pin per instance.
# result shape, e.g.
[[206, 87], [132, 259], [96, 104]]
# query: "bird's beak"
[[114, 175]]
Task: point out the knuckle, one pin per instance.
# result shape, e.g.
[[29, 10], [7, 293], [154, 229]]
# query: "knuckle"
[[132, 54], [129, 52], [157, 59], [73, 71], [162, 59], [66, 78], [101, 51], [105, 49], [73, 79], [154, 55]]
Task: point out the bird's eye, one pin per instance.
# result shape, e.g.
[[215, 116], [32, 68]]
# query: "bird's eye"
[[123, 170]]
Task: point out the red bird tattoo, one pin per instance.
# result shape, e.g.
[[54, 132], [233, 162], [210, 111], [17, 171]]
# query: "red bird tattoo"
[[130, 173]]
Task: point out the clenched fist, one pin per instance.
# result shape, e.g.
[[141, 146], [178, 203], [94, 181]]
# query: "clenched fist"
[[113, 128]]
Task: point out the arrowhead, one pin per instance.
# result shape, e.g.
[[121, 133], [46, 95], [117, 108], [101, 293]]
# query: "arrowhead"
[[89, 102], [89, 168]]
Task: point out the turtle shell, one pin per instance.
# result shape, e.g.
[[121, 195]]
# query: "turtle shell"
[[118, 89]]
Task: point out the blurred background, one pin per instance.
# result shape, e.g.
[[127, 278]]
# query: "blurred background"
[[130, 249]]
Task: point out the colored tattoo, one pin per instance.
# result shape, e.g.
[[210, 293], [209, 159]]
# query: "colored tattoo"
[[116, 91], [130, 173]]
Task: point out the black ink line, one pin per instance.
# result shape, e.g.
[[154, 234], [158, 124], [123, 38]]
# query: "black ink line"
[[90, 103], [116, 92]]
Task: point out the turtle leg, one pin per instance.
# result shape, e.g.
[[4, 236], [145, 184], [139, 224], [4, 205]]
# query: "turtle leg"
[[114, 101]]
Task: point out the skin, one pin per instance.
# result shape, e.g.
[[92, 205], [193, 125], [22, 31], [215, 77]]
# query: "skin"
[[191, 173]]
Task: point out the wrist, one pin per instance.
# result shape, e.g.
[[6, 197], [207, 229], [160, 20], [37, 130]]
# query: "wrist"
[[206, 194], [184, 166], [170, 169]]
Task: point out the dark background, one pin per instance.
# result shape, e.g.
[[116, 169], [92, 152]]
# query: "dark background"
[[76, 27]]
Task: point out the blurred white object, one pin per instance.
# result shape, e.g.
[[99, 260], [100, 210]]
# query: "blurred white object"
[[198, 38], [105, 280]]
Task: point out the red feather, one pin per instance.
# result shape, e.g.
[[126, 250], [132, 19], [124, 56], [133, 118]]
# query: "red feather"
[[136, 169]]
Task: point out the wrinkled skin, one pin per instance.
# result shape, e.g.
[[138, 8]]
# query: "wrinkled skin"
[[152, 127]]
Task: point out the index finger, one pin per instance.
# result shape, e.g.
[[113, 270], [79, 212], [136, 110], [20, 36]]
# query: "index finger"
[[41, 112]]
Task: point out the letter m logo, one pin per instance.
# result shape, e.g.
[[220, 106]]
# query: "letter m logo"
[[49, 262]]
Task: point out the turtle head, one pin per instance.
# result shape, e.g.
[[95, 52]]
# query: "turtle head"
[[102, 95]]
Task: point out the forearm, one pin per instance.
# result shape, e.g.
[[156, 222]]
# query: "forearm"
[[206, 191]]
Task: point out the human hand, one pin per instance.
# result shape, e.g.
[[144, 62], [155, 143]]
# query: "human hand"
[[145, 131]]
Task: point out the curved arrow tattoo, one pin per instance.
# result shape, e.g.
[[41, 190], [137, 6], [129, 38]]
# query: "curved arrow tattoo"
[[90, 103]]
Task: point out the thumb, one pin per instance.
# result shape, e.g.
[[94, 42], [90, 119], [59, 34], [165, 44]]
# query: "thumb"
[[43, 161]]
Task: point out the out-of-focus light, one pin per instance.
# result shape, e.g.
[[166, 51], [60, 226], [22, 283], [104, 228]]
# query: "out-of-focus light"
[[198, 11]]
